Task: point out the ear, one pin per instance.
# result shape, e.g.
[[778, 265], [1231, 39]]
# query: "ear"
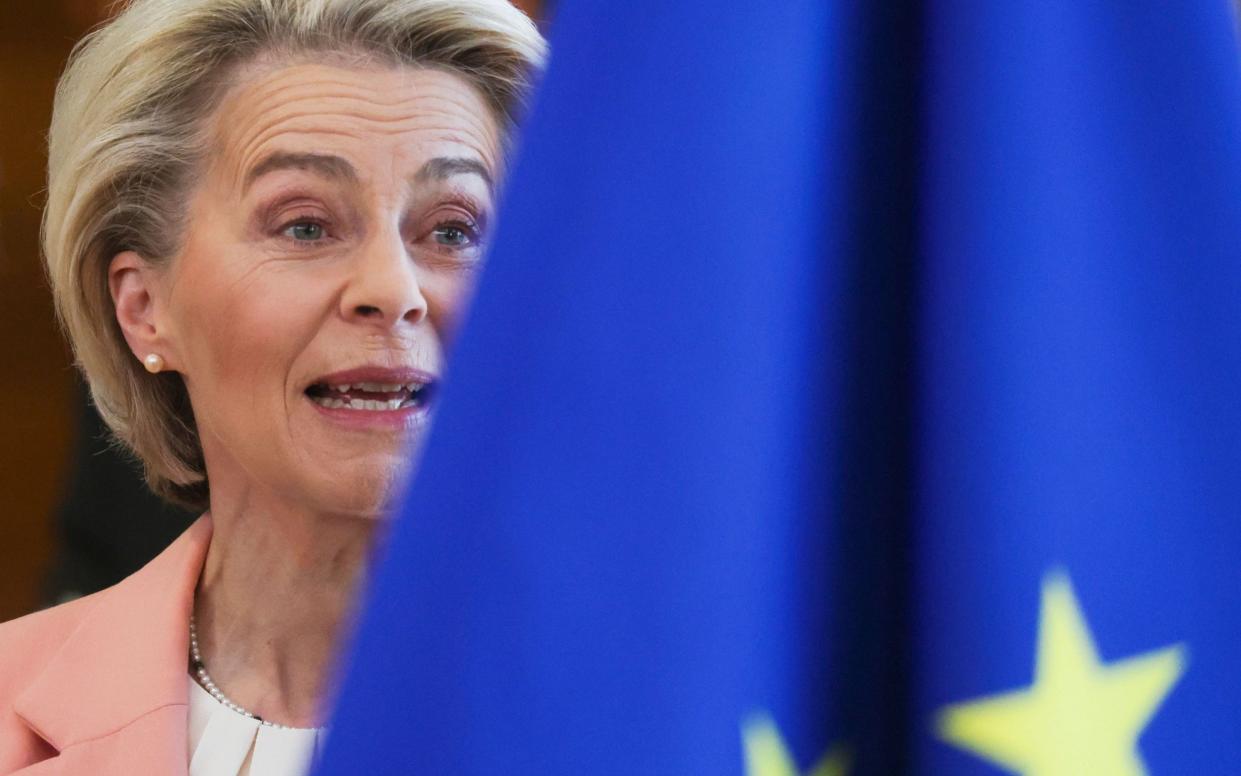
[[137, 296]]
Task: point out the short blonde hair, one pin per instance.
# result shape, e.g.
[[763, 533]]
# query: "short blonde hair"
[[128, 132]]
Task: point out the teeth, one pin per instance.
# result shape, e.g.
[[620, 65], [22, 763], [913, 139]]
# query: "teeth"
[[358, 404], [378, 387]]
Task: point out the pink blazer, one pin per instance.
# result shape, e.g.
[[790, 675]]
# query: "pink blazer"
[[98, 685]]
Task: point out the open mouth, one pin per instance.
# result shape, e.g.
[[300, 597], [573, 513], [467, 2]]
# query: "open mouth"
[[372, 397]]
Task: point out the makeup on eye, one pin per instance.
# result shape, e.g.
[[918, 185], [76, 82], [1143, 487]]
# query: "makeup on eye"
[[456, 234], [455, 224], [299, 218], [453, 235], [304, 230], [452, 224]]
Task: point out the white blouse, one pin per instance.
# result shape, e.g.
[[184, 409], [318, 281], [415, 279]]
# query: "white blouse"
[[223, 742]]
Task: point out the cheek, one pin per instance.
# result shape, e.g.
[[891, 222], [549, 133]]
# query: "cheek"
[[243, 330], [450, 295]]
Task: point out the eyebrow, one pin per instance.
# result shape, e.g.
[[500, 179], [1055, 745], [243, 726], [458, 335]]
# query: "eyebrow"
[[338, 168], [444, 167], [325, 165]]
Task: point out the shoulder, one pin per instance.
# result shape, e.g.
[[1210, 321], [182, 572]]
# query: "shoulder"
[[27, 645], [90, 667], [132, 607], [140, 607], [29, 642]]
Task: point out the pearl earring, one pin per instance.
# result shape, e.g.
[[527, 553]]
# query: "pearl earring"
[[154, 363]]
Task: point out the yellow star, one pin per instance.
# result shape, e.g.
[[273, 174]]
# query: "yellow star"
[[1080, 716], [766, 754]]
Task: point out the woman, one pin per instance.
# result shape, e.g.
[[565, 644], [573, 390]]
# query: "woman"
[[263, 219]]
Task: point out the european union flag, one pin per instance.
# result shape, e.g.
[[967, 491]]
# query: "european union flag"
[[1079, 495], [852, 389], [613, 559]]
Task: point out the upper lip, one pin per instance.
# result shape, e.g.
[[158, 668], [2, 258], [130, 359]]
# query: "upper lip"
[[377, 374]]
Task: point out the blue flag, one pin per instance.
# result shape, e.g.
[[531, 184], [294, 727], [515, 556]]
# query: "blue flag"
[[851, 390], [1079, 495], [613, 557]]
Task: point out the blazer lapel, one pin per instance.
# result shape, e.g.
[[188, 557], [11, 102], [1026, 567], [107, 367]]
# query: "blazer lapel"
[[113, 698]]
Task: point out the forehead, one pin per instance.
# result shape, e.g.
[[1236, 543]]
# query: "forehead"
[[378, 118]]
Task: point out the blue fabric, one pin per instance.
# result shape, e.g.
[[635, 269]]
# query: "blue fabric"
[[1080, 367], [817, 337], [613, 551]]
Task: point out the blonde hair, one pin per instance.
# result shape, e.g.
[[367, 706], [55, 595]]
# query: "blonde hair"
[[128, 132]]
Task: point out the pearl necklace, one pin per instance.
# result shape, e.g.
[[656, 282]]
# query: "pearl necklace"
[[204, 679]]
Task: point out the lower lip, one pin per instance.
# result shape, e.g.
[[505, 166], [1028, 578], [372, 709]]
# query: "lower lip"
[[406, 418]]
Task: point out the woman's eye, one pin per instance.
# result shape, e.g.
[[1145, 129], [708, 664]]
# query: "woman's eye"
[[304, 231], [454, 235]]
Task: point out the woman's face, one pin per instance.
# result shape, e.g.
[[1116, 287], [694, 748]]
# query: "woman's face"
[[329, 248]]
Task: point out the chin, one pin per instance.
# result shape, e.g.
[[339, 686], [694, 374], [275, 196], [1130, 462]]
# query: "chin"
[[367, 492]]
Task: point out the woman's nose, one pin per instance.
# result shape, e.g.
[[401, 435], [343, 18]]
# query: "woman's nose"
[[384, 287]]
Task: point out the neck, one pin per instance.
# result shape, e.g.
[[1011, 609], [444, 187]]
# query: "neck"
[[277, 589]]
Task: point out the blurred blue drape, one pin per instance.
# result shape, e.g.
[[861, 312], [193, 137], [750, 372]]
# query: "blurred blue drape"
[[851, 389]]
